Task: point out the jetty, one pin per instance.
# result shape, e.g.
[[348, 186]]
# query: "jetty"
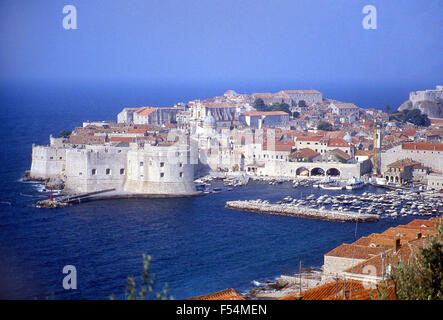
[[299, 211], [63, 201]]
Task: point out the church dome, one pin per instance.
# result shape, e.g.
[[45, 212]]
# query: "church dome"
[[348, 138], [209, 121]]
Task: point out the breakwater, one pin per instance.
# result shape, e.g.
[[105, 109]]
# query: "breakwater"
[[298, 211]]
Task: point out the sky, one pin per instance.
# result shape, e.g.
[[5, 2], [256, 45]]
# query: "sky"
[[308, 42]]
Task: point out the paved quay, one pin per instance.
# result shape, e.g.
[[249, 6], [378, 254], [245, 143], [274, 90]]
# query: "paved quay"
[[299, 211]]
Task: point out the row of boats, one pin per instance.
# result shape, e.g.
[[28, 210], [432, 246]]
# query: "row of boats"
[[393, 203], [204, 184], [331, 184]]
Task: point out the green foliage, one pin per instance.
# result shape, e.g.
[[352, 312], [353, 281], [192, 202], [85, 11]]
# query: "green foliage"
[[65, 134], [296, 114], [382, 291], [259, 105], [342, 160], [147, 285], [302, 103], [413, 116], [324, 125], [421, 278], [280, 107]]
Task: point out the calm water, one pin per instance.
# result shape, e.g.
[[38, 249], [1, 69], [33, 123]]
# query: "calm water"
[[198, 246]]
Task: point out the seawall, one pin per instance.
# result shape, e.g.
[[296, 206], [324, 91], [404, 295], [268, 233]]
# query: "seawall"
[[299, 211]]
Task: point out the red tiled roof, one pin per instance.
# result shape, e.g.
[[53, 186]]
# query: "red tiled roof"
[[304, 153], [337, 142], [137, 131], [309, 138], [423, 146], [228, 294], [341, 290], [146, 111], [122, 139]]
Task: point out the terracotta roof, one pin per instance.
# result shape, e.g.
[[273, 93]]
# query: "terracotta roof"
[[352, 251], [364, 153], [342, 290], [315, 138], [337, 142], [122, 139], [423, 146], [304, 153], [137, 131], [402, 163], [375, 245], [228, 294], [341, 154], [146, 111], [279, 146]]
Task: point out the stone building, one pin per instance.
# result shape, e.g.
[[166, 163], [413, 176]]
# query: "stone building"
[[435, 181], [427, 153], [291, 97], [259, 119], [400, 171], [135, 168], [426, 95]]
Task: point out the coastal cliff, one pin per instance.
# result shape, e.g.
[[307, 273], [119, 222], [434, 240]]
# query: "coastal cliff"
[[433, 109]]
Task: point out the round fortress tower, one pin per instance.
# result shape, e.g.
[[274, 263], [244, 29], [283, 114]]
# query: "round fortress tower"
[[160, 170]]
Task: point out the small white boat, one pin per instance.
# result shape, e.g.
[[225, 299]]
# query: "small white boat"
[[355, 183]]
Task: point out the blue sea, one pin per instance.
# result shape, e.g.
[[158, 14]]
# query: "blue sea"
[[198, 246]]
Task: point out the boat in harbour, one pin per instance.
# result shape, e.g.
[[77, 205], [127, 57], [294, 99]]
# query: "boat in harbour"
[[355, 183], [332, 186]]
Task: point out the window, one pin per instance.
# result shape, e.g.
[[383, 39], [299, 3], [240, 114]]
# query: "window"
[[181, 164], [94, 172], [141, 163], [162, 164], [181, 174], [162, 174], [122, 171], [108, 171]]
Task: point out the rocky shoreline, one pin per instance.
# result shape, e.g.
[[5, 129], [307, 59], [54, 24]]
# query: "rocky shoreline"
[[287, 285]]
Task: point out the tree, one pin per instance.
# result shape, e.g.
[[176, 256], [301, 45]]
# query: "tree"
[[324, 125], [413, 116], [259, 105], [65, 134], [147, 286], [296, 114], [302, 103], [280, 107]]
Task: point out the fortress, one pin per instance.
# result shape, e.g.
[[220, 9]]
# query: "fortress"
[[130, 169], [427, 95]]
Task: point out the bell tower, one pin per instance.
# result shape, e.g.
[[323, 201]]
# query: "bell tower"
[[377, 140]]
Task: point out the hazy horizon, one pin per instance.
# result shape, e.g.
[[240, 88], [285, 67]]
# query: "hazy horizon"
[[208, 47]]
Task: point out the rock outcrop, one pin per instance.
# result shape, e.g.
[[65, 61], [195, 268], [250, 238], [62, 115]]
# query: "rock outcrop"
[[433, 109], [429, 102]]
